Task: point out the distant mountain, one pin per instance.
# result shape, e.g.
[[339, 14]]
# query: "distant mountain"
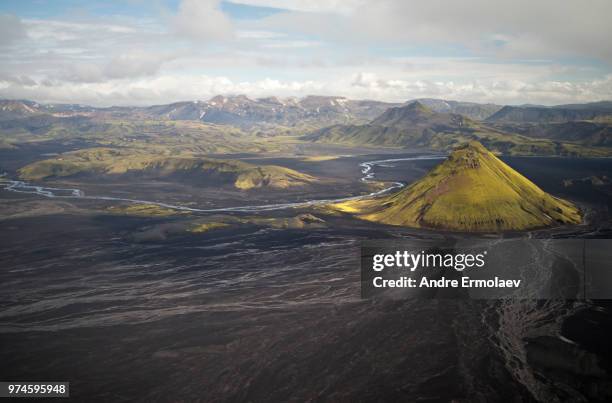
[[472, 191], [415, 114], [553, 114], [238, 110], [417, 126], [589, 133], [412, 125], [16, 109], [242, 111], [471, 110]]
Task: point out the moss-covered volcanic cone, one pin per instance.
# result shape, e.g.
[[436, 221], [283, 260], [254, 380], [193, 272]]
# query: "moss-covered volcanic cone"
[[472, 191]]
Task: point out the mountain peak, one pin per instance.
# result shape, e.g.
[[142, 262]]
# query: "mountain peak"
[[471, 191], [218, 99], [417, 106], [270, 100], [471, 146], [468, 155], [413, 113], [222, 99]]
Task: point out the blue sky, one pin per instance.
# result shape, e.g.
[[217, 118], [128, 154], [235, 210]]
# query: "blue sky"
[[140, 52]]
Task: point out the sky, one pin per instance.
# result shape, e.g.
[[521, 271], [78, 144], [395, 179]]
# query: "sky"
[[146, 52]]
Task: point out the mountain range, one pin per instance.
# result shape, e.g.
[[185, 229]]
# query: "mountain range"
[[244, 111], [238, 110], [589, 133], [241, 110], [553, 114], [412, 125], [575, 129], [471, 110], [416, 126]]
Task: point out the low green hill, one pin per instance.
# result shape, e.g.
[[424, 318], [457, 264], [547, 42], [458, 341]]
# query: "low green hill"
[[471, 191], [115, 162]]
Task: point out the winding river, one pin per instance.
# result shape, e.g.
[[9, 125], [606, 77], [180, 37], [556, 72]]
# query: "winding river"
[[367, 170]]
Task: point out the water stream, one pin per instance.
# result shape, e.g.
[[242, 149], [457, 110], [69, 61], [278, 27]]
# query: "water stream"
[[367, 170]]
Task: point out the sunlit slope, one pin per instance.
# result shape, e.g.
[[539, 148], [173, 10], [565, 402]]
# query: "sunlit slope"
[[112, 162], [471, 191]]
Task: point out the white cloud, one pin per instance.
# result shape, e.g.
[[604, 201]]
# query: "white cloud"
[[519, 28], [169, 88], [202, 20], [548, 92], [127, 65], [352, 48], [247, 34], [135, 64], [21, 80], [290, 44], [11, 30], [88, 51]]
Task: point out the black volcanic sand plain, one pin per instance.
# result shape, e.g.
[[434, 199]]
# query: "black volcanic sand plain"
[[259, 313]]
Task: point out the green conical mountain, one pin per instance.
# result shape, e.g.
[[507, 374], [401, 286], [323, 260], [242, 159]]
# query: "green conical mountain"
[[472, 191]]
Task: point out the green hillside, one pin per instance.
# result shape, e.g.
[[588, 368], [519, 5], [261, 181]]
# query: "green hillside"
[[115, 162], [416, 126], [471, 191]]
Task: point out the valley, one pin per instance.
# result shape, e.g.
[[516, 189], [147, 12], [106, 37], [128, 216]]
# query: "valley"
[[193, 292], [263, 201], [201, 248], [169, 160]]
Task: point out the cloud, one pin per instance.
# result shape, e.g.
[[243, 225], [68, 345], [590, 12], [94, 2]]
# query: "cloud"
[[310, 6], [123, 66], [364, 85], [202, 20], [514, 91], [520, 28], [21, 80], [511, 52], [135, 64], [89, 51], [11, 30]]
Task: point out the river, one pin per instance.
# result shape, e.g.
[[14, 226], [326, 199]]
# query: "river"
[[367, 170]]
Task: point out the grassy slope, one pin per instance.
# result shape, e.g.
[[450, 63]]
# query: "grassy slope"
[[145, 210], [300, 221], [447, 139], [107, 161], [471, 191], [145, 135]]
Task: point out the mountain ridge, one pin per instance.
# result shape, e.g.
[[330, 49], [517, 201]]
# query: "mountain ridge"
[[552, 114], [109, 163], [242, 110], [238, 110], [416, 126], [472, 110]]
